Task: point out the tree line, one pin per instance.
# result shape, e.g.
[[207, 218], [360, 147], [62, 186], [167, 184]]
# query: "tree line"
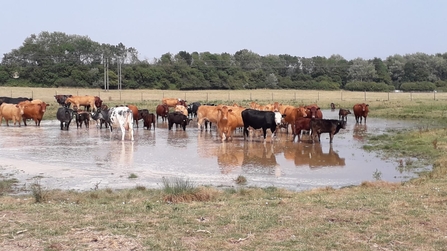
[[60, 60]]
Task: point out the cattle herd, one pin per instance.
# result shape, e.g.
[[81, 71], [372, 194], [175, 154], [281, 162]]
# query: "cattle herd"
[[226, 118]]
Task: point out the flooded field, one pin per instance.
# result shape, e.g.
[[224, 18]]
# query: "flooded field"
[[85, 159]]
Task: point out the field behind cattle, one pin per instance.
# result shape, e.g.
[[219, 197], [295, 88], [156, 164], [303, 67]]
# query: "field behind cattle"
[[373, 216]]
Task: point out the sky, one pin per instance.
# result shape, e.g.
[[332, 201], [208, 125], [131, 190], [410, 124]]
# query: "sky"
[[350, 28]]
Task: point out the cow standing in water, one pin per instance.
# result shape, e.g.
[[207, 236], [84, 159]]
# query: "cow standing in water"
[[122, 117], [360, 111]]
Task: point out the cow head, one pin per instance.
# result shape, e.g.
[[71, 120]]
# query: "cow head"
[[278, 118], [312, 111], [223, 111]]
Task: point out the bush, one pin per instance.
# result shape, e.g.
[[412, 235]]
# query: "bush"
[[418, 87], [368, 86]]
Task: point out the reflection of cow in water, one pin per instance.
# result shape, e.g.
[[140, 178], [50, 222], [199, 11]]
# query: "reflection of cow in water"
[[312, 155], [259, 158], [359, 132]]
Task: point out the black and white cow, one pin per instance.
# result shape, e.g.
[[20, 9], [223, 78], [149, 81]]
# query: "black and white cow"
[[64, 115], [260, 119], [123, 117], [331, 126], [177, 118], [192, 109]]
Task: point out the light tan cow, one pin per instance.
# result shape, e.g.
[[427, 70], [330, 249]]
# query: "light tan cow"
[[228, 119], [182, 109], [172, 102], [206, 113], [77, 101], [290, 115], [11, 112]]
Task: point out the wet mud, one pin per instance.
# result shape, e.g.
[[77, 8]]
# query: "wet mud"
[[85, 159]]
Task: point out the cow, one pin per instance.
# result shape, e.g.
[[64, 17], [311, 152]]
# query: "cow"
[[15, 101], [206, 113], [162, 111], [182, 109], [82, 117], [148, 120], [228, 119], [172, 102], [135, 113], [33, 110], [360, 111], [122, 117], [192, 109], [291, 113], [331, 126], [60, 99], [313, 111], [343, 114], [301, 124], [64, 115], [177, 118], [260, 119], [11, 112], [332, 106], [87, 101], [101, 116]]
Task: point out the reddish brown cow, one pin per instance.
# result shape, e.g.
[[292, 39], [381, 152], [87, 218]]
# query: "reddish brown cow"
[[10, 112], [360, 111], [135, 113], [343, 114], [148, 120], [33, 111], [313, 111], [162, 111], [300, 125]]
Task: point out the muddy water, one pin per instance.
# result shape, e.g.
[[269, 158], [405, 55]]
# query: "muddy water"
[[84, 159]]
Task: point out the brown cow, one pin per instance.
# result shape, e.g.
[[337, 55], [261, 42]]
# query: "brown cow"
[[33, 111], [135, 113], [148, 119], [81, 100], [343, 114], [360, 111], [300, 125], [162, 111], [11, 112], [313, 111], [227, 122], [291, 113], [60, 98], [206, 113], [172, 102]]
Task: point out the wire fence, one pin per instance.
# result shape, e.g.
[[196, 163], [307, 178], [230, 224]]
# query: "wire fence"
[[266, 96]]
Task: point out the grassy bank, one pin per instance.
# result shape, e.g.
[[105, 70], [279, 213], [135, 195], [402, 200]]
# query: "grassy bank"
[[372, 216]]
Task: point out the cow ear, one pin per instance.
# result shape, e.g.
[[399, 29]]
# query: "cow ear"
[[367, 105], [318, 108]]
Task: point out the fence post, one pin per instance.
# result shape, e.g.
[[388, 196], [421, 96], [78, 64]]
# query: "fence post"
[[32, 94], [120, 95], [295, 96], [185, 96], [228, 96], [318, 96], [365, 95], [388, 96], [341, 95], [434, 95], [207, 97], [272, 96], [141, 96], [250, 96]]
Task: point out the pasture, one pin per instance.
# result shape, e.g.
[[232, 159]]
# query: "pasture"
[[375, 215]]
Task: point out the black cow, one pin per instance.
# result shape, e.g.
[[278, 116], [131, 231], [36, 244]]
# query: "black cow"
[[260, 119], [13, 100], [65, 115], [82, 117], [331, 126], [148, 120], [192, 109], [177, 118], [103, 116]]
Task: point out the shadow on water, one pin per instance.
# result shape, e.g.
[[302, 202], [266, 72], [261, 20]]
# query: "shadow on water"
[[83, 158]]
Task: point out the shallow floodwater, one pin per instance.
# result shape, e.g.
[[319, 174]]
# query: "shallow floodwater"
[[84, 159]]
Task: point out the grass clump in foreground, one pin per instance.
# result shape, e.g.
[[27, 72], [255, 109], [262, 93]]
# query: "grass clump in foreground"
[[180, 190]]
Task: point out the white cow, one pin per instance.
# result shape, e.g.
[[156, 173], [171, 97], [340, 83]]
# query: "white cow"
[[123, 117]]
